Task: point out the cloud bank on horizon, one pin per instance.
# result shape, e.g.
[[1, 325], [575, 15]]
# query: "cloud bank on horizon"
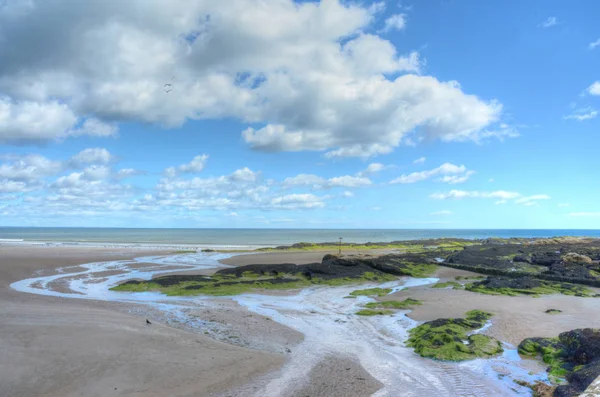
[[332, 80]]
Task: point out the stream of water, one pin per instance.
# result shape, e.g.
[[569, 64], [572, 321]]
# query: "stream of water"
[[322, 314]]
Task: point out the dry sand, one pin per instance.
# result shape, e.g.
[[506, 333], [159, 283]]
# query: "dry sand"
[[68, 347]]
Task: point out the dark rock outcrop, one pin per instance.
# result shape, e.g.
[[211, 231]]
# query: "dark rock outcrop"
[[576, 353]]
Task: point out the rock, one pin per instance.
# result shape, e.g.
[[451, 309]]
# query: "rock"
[[573, 257], [576, 353]]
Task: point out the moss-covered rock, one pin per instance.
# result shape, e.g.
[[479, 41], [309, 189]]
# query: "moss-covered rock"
[[371, 292], [452, 339], [448, 284], [494, 285], [574, 356], [371, 312], [405, 304]]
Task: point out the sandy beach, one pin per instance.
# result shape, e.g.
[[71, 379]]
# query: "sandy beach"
[[227, 347], [71, 347]]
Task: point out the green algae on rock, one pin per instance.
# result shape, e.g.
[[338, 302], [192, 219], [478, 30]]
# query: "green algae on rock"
[[371, 292], [332, 271], [452, 339], [406, 303], [527, 286], [447, 284], [573, 355], [371, 312]]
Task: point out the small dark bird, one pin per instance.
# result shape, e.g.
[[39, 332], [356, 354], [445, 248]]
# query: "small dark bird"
[[167, 91], [168, 85], [148, 322]]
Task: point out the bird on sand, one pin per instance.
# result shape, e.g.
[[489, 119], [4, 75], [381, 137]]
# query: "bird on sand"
[[148, 322]]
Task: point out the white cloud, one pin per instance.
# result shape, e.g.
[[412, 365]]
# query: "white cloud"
[[448, 173], [306, 72], [8, 186], [461, 194], [193, 167], [594, 44], [372, 168], [585, 214], [316, 182], [551, 21], [298, 201], [583, 114], [347, 194], [127, 173], [594, 89], [491, 180], [532, 200], [349, 181], [95, 127], [92, 156], [441, 213], [420, 160], [28, 168], [395, 22], [27, 121]]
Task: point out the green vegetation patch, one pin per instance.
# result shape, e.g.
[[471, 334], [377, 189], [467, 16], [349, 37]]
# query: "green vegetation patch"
[[370, 312], [551, 352], [371, 292], [248, 281], [447, 284], [527, 286], [458, 278], [406, 303], [450, 339], [418, 270]]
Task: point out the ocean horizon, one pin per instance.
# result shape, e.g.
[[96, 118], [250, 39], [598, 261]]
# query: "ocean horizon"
[[262, 237]]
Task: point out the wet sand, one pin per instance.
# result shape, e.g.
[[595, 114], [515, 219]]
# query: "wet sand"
[[72, 347]]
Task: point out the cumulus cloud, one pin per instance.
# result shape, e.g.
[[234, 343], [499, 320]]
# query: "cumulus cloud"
[[193, 167], [28, 168], [461, 194], [298, 201], [24, 121], [307, 73], [582, 114], [92, 156], [395, 22], [317, 182], [548, 23], [420, 160], [372, 168], [594, 89], [447, 173]]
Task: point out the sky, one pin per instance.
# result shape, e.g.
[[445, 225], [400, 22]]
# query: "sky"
[[300, 114]]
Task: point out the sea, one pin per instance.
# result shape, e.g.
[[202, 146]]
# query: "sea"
[[252, 238]]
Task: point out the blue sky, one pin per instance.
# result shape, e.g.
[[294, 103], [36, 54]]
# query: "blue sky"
[[429, 114]]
